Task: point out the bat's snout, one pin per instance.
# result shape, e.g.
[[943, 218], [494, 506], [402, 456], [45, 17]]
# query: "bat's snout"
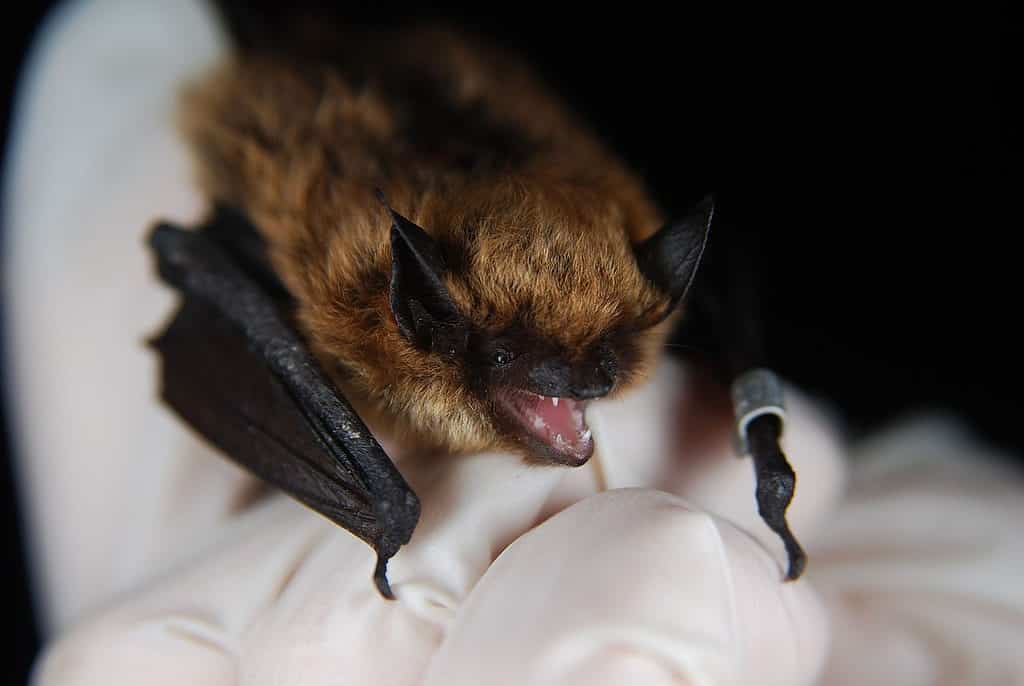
[[595, 385]]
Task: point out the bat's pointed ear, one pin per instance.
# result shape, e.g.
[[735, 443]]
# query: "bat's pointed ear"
[[669, 258], [421, 303]]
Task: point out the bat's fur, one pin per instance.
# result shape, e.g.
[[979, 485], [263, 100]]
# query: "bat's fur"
[[535, 218]]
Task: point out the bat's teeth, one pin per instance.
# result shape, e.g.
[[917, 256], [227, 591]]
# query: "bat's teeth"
[[554, 401], [585, 435]]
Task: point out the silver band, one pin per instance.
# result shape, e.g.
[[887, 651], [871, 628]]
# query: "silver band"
[[755, 393]]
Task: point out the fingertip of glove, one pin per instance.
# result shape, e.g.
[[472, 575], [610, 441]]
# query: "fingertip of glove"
[[620, 667]]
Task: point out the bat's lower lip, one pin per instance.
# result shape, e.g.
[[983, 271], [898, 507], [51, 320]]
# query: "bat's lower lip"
[[555, 429]]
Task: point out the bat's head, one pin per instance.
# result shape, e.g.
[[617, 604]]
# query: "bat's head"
[[540, 312]]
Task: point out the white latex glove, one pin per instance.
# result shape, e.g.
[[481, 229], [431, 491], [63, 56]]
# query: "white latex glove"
[[154, 566]]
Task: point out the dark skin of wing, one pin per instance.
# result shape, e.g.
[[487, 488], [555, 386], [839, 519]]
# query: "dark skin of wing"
[[236, 370], [776, 482]]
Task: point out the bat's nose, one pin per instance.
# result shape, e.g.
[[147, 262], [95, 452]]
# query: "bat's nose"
[[596, 383], [589, 392], [558, 378]]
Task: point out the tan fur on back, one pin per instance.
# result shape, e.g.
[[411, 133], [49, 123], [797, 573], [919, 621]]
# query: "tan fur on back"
[[535, 217]]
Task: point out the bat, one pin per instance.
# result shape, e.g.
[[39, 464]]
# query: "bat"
[[410, 229]]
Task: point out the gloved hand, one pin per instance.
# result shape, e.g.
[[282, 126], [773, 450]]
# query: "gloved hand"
[[158, 563]]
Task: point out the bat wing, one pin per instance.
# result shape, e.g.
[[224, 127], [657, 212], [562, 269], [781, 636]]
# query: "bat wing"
[[240, 374], [724, 317]]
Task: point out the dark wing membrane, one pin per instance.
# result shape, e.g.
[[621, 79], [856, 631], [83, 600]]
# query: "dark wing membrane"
[[236, 371], [213, 380]]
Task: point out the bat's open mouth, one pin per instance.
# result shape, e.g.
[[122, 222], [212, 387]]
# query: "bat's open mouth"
[[554, 428]]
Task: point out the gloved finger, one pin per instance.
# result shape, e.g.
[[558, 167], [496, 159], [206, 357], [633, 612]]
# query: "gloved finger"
[[664, 436], [283, 597], [633, 586], [472, 507], [94, 160], [921, 569]]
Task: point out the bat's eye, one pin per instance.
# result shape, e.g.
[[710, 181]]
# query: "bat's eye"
[[502, 357]]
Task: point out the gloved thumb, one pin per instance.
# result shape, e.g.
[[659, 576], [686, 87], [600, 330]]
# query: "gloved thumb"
[[633, 586]]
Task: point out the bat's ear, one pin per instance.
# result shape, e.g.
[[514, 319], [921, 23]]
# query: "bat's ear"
[[669, 258], [423, 308]]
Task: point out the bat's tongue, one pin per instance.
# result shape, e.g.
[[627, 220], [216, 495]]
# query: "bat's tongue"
[[559, 422], [557, 414]]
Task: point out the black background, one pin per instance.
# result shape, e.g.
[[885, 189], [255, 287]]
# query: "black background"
[[875, 157]]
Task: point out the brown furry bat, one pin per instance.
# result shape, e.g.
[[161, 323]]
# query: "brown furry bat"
[[538, 281]]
